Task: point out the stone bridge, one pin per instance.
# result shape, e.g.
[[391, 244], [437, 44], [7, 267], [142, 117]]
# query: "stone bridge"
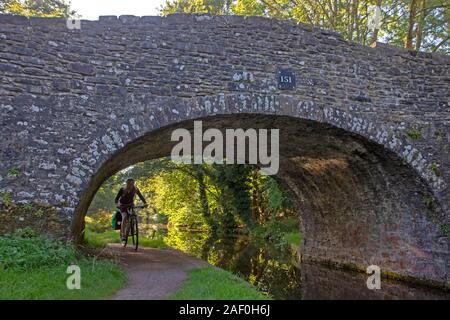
[[364, 134]]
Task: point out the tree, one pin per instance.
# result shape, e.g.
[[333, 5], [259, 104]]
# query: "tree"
[[414, 24], [37, 8], [214, 7], [423, 12], [411, 24]]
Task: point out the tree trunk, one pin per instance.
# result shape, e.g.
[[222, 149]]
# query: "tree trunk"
[[202, 194], [333, 14], [411, 23], [355, 18], [349, 20], [420, 25]]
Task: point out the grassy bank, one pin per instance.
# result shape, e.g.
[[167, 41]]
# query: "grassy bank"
[[211, 283], [98, 280], [204, 283], [95, 239], [34, 267]]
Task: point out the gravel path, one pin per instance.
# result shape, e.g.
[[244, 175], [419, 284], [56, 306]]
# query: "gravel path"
[[153, 273]]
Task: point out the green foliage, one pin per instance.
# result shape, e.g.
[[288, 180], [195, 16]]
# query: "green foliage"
[[230, 193], [293, 238], [414, 133], [37, 8], [266, 266], [215, 7], [435, 169], [6, 199], [39, 213], [279, 232], [175, 196], [219, 198], [233, 183], [191, 242], [99, 221], [13, 172], [429, 22], [405, 159], [99, 280], [216, 284], [34, 267], [428, 201], [444, 229], [142, 172], [249, 8], [278, 200], [26, 250], [104, 198], [157, 242], [100, 240]]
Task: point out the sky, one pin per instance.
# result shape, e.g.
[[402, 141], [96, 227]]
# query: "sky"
[[91, 9]]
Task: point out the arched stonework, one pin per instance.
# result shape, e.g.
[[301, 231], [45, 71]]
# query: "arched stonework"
[[375, 120]]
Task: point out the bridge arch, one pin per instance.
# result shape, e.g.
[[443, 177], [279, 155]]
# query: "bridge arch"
[[75, 101], [352, 194]]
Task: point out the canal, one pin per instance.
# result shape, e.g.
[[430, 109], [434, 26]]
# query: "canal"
[[277, 271]]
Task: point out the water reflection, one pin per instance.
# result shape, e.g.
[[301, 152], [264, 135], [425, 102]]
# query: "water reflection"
[[276, 270]]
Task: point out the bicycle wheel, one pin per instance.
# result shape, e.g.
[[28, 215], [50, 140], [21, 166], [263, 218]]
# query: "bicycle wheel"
[[132, 230], [127, 232], [135, 233], [125, 238]]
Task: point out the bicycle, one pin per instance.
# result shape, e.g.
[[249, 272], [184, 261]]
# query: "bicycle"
[[132, 229]]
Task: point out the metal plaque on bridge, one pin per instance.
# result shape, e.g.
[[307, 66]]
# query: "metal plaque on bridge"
[[286, 80]]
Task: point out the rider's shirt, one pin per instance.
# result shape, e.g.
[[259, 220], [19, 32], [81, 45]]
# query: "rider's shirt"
[[127, 198]]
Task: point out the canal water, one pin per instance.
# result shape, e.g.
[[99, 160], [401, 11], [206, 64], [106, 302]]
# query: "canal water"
[[276, 270]]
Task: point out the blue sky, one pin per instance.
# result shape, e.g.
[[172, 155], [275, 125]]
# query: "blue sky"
[[91, 9]]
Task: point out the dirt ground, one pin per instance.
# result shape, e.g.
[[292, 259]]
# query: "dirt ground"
[[152, 273]]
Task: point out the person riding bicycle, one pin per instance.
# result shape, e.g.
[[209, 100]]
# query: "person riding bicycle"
[[124, 200]]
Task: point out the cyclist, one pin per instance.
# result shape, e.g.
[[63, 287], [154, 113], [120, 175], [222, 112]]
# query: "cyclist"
[[124, 200]]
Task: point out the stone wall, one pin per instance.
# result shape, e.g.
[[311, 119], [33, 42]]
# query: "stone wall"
[[365, 133]]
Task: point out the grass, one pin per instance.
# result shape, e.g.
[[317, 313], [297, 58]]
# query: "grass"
[[293, 238], [99, 240], [203, 284], [98, 280], [211, 283], [152, 243], [26, 250], [34, 267]]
